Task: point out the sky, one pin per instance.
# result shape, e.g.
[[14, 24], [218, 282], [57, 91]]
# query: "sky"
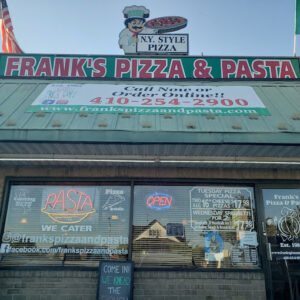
[[215, 27]]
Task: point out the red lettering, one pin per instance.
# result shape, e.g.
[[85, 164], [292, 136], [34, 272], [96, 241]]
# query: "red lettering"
[[134, 68], [201, 70], [228, 67], [122, 66], [287, 70], [159, 201], [12, 63], [163, 200], [87, 201], [161, 65], [71, 200], [27, 65], [176, 69], [99, 66], [273, 65], [258, 68], [44, 67], [243, 69], [169, 200], [48, 202], [149, 203], [146, 63], [77, 67], [61, 195], [61, 67], [79, 200]]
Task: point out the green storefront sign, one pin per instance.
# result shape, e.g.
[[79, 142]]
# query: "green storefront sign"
[[127, 67]]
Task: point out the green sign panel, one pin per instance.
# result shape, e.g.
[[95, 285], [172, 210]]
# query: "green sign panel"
[[138, 67]]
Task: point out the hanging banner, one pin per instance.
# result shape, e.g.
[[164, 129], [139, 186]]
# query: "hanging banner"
[[76, 66], [145, 99]]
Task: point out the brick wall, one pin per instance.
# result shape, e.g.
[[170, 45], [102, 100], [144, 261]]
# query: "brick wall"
[[158, 285]]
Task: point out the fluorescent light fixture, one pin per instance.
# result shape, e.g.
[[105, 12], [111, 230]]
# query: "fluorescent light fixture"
[[77, 160], [231, 162], [151, 161]]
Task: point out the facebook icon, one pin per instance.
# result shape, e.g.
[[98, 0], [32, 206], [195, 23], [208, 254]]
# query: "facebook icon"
[[48, 101]]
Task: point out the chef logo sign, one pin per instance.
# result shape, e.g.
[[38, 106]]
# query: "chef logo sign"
[[144, 37]]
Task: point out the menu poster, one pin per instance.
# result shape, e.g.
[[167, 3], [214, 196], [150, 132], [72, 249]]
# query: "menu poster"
[[282, 220], [244, 256], [221, 208]]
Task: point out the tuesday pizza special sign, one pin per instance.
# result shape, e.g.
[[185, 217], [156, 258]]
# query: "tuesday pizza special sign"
[[122, 67]]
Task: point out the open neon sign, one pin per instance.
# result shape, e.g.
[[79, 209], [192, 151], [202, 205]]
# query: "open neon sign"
[[159, 201]]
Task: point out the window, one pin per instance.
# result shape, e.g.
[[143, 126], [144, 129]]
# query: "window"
[[72, 224], [282, 220], [194, 226], [174, 225]]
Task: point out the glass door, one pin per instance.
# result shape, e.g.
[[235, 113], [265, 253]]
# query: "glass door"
[[281, 229]]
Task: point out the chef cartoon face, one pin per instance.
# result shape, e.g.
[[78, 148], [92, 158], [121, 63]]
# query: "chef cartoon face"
[[135, 25]]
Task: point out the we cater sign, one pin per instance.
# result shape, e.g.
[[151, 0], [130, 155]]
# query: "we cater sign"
[[163, 44]]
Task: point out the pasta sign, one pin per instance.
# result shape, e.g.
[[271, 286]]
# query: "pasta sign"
[[68, 207]]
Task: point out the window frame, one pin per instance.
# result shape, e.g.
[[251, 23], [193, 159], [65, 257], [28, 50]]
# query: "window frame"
[[256, 184]]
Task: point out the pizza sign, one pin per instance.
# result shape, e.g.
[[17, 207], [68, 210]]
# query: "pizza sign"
[[167, 24], [163, 44], [140, 36]]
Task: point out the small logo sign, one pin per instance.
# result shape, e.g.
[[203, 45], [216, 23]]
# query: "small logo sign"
[[114, 200], [159, 201], [48, 101], [62, 101]]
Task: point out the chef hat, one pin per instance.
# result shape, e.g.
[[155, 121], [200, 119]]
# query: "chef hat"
[[136, 12]]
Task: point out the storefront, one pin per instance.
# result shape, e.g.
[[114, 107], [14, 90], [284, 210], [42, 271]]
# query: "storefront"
[[187, 166]]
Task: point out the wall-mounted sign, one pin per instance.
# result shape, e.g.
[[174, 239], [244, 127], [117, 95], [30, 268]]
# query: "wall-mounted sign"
[[135, 29], [146, 99], [282, 220], [163, 44], [58, 66]]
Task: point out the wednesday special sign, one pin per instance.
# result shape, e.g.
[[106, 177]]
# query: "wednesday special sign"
[[146, 99]]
